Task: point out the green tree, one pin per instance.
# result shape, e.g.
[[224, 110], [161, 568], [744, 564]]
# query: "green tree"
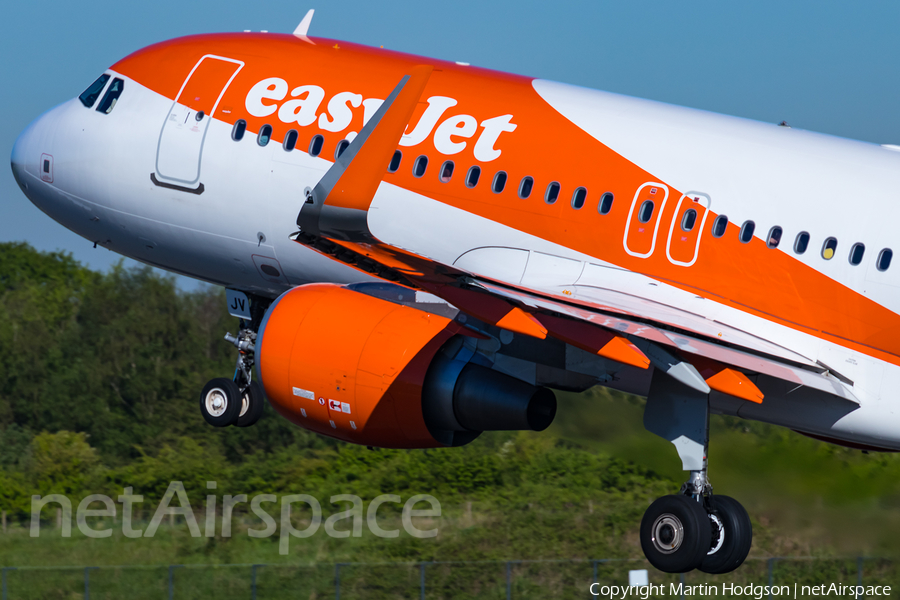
[[15, 493], [186, 461], [40, 294], [62, 463]]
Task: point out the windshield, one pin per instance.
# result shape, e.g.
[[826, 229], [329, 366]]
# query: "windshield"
[[112, 96], [89, 96]]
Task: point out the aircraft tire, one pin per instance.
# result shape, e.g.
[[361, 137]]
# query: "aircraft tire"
[[220, 402], [252, 404], [737, 535], [675, 534]]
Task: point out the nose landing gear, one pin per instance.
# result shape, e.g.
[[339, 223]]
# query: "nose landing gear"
[[251, 405], [693, 529], [238, 401], [219, 402]]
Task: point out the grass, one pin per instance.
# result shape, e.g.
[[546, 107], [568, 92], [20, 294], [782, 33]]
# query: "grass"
[[370, 569]]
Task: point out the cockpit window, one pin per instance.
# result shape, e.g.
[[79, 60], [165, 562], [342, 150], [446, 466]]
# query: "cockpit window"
[[111, 96], [89, 96]]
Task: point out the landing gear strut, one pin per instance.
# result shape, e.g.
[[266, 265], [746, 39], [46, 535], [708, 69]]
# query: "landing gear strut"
[[240, 400], [693, 529]]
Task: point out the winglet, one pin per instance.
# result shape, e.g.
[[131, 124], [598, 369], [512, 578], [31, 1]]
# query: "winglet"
[[303, 27], [339, 203]]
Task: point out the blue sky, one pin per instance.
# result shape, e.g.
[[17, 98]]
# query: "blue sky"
[[826, 66]]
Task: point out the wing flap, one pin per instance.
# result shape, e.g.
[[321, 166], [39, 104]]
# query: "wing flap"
[[800, 371]]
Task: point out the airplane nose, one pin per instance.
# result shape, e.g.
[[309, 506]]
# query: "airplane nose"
[[18, 158], [32, 156], [52, 167]]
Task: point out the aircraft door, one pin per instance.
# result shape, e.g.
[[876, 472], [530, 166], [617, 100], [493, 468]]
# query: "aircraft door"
[[686, 229], [184, 130], [643, 219]]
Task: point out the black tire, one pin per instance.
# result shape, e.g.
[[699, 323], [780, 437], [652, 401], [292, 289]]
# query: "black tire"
[[737, 535], [252, 403], [220, 402], [675, 534]]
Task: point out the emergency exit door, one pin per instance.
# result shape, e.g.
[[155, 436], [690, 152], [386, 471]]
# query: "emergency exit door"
[[183, 132], [643, 219], [686, 229]]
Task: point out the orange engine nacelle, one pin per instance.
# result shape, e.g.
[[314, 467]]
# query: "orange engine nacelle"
[[353, 367]]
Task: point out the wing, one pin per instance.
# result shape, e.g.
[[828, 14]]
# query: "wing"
[[619, 315]]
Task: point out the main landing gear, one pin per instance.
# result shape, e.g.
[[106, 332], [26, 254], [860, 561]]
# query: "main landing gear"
[[238, 401], [692, 529]]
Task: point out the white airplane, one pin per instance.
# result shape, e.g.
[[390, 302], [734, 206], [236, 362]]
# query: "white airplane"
[[425, 247]]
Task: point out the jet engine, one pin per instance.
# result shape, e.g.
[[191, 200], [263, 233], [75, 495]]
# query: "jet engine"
[[373, 372]]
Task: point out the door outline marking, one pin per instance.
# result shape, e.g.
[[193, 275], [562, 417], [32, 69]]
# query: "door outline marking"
[[676, 222], [211, 113], [659, 215]]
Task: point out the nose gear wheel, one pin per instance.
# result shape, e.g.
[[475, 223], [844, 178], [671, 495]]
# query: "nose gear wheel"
[[238, 401], [220, 402]]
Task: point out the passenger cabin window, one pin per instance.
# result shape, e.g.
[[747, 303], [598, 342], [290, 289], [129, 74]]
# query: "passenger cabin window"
[[265, 134], [290, 140], [689, 220], [499, 183], [747, 230], [395, 161], [552, 193], [237, 132], [829, 248], [605, 205], [645, 213], [89, 96], [420, 165], [720, 226], [111, 96], [525, 187], [315, 145], [342, 145], [472, 177], [884, 259], [801, 243], [774, 237], [856, 253], [446, 171], [579, 197]]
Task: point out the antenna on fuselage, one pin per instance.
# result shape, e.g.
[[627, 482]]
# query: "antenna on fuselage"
[[303, 27]]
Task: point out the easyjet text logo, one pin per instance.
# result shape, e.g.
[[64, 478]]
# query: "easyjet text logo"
[[451, 135]]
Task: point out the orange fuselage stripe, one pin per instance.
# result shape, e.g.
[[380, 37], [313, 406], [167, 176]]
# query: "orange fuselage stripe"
[[544, 145]]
